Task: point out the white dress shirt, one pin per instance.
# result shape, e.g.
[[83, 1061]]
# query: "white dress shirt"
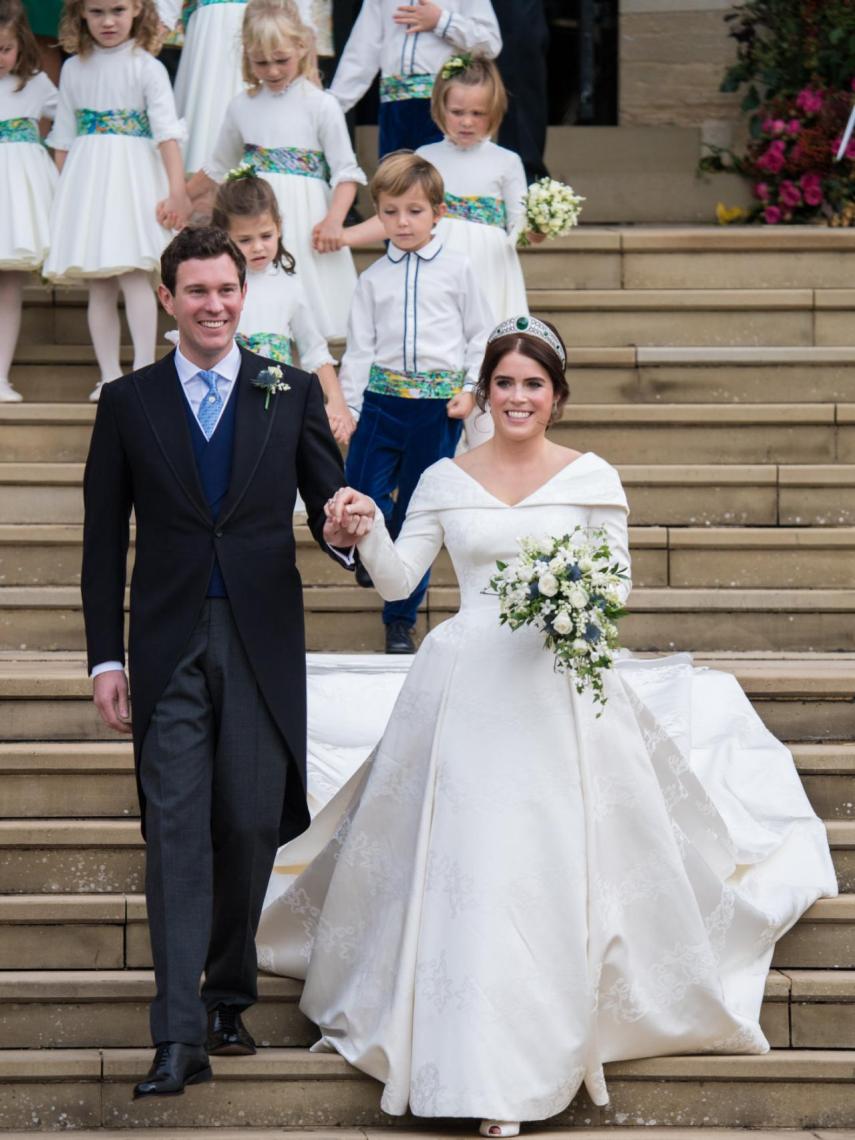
[[195, 389], [276, 302], [377, 43], [416, 311]]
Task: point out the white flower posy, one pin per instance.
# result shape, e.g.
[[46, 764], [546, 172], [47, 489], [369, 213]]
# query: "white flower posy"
[[552, 208], [568, 588]]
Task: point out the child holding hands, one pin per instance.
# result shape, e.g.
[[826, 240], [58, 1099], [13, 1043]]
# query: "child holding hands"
[[417, 331], [116, 141]]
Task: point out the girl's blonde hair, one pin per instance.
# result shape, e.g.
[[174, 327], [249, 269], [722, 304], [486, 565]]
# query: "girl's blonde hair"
[[28, 63], [76, 38], [266, 25], [470, 71]]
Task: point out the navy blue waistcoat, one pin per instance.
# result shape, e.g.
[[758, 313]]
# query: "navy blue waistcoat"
[[214, 463]]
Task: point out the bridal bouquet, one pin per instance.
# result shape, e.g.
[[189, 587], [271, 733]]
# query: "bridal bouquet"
[[551, 208], [569, 589]]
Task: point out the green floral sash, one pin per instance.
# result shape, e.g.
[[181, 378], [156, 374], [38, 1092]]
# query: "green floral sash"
[[133, 124], [272, 345], [287, 160], [487, 211], [394, 88], [19, 130], [439, 384]]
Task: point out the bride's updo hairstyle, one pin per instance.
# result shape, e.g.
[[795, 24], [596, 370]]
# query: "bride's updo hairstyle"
[[535, 348]]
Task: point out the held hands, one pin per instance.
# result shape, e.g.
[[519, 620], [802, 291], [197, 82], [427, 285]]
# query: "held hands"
[[460, 406], [342, 423], [327, 236], [350, 515], [421, 17], [173, 212], [110, 694]]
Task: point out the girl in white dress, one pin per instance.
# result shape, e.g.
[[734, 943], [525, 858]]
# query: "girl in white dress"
[[276, 313], [484, 183], [293, 134], [116, 141], [515, 891], [27, 175]]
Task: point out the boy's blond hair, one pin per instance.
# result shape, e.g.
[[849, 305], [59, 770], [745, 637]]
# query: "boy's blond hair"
[[400, 171], [267, 25], [473, 71]]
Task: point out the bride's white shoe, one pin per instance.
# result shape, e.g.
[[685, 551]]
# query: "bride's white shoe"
[[500, 1128]]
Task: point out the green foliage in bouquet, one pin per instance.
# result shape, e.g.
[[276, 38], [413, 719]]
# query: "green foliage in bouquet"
[[795, 63]]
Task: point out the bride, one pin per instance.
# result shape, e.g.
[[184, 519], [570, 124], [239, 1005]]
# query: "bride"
[[512, 891]]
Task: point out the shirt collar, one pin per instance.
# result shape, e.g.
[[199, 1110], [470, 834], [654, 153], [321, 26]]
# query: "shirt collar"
[[228, 367], [426, 253]]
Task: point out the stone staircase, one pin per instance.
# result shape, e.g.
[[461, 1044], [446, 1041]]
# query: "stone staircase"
[[717, 369]]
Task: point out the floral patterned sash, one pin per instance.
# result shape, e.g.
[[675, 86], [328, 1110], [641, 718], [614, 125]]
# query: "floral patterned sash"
[[287, 160], [19, 130], [439, 384], [394, 88], [133, 124], [487, 211], [272, 345]]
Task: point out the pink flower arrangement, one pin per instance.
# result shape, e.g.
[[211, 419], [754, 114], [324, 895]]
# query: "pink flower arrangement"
[[789, 194], [772, 215], [811, 185], [809, 100]]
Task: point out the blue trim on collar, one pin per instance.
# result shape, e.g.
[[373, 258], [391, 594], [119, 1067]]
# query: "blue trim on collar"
[[426, 253]]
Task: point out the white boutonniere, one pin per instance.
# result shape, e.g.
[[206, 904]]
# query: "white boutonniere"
[[270, 380]]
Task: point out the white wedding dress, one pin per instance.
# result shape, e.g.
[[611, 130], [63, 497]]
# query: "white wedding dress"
[[511, 891]]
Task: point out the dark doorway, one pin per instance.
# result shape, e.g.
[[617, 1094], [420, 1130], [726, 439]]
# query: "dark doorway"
[[582, 64]]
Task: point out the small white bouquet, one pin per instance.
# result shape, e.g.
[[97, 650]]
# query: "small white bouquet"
[[569, 589], [552, 208]]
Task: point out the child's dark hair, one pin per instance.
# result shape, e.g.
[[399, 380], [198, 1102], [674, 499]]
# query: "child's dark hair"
[[28, 63], [247, 196]]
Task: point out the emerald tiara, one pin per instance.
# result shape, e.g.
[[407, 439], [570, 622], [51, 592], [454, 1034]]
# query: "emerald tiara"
[[532, 327]]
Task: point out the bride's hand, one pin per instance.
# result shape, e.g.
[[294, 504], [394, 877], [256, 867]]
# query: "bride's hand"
[[350, 516]]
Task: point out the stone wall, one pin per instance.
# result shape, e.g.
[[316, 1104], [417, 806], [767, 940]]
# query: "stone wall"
[[673, 54]]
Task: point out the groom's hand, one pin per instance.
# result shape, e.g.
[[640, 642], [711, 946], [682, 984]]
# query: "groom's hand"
[[350, 515], [110, 694]]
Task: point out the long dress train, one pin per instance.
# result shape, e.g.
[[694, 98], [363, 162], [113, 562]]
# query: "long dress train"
[[512, 891]]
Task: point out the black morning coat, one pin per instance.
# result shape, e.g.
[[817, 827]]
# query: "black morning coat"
[[141, 457]]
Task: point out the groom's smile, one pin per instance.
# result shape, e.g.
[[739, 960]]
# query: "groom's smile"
[[206, 305]]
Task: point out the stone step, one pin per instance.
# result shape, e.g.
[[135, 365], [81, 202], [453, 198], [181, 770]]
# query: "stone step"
[[291, 1088], [659, 494], [46, 373], [643, 434], [57, 780], [96, 932], [84, 856], [726, 558], [662, 619], [718, 317], [800, 697], [413, 1132], [79, 1009]]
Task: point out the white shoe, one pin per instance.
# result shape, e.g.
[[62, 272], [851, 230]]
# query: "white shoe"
[[500, 1128], [96, 392], [8, 395]]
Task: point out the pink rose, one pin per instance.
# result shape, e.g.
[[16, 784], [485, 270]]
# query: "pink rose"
[[772, 161], [810, 181], [793, 127], [761, 190], [790, 195], [767, 126], [809, 101], [778, 126], [778, 146], [813, 196], [772, 215]]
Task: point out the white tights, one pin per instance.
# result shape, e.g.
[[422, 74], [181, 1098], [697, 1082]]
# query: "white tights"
[[104, 326], [11, 295]]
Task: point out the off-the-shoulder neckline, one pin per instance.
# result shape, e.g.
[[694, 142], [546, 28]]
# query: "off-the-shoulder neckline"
[[531, 494]]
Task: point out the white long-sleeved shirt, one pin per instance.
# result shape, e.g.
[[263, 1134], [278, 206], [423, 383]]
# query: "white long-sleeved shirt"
[[377, 43], [415, 312], [301, 116], [483, 170]]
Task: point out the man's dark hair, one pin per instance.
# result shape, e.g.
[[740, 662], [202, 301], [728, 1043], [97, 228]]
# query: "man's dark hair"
[[203, 243]]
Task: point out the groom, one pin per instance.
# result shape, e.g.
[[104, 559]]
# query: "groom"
[[210, 464]]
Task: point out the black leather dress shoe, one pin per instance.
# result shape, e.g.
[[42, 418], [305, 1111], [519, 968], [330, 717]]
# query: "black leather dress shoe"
[[227, 1034], [363, 578], [399, 638], [174, 1066]]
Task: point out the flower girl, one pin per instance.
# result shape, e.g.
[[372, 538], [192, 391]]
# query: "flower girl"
[[116, 141], [294, 135], [276, 311], [27, 175]]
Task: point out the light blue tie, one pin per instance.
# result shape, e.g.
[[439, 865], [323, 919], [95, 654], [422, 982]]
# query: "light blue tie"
[[211, 406]]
